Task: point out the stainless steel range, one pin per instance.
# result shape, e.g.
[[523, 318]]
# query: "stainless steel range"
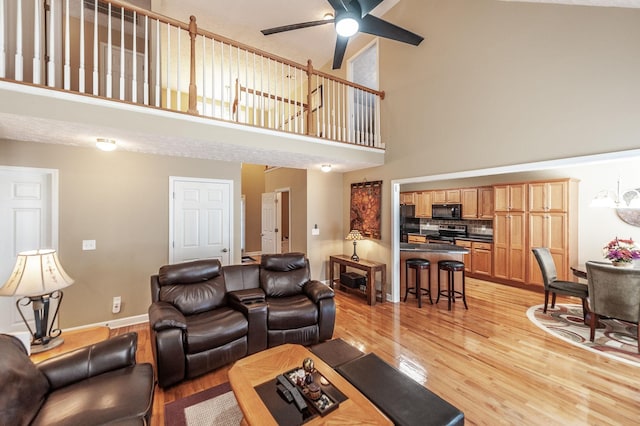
[[449, 233]]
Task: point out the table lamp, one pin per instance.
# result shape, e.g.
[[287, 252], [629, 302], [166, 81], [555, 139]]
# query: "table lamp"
[[38, 277], [354, 235]]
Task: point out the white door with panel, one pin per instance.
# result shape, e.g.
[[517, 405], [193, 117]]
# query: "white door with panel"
[[28, 221], [201, 220], [270, 232]]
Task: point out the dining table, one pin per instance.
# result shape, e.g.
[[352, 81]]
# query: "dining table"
[[580, 270]]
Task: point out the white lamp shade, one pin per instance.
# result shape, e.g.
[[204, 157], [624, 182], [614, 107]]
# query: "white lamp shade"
[[36, 272]]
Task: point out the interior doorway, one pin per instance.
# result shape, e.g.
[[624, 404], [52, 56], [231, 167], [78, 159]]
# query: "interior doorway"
[[276, 222]]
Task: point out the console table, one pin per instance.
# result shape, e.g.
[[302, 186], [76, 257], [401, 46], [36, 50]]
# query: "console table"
[[368, 266]]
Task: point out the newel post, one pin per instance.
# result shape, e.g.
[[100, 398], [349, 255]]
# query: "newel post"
[[193, 90], [309, 97]]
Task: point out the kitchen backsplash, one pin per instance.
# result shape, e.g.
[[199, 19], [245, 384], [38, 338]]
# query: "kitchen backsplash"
[[479, 227]]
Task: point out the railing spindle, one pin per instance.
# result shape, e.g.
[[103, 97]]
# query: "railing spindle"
[[134, 62], [81, 69], [67, 48], [122, 56], [96, 75]]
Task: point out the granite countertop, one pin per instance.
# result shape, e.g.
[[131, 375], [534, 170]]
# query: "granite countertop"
[[477, 237], [433, 248]]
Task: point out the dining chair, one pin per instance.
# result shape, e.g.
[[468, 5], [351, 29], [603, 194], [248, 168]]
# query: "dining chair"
[[614, 292], [555, 286]]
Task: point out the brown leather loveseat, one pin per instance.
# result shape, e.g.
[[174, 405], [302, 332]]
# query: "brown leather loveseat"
[[204, 316], [95, 385]]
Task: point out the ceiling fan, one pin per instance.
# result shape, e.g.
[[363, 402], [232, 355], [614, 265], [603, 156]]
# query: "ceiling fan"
[[352, 16]]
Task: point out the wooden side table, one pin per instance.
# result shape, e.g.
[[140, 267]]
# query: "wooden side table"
[[368, 266], [74, 339]]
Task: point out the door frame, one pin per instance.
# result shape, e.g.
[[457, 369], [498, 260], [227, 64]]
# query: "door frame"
[[172, 180]]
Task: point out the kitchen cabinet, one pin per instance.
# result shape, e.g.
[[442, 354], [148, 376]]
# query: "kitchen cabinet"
[[423, 204], [509, 246], [416, 239], [469, 198], [553, 223], [407, 198], [446, 196], [510, 198], [548, 196], [481, 258], [485, 202]]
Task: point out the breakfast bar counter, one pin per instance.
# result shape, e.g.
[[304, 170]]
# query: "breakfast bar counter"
[[433, 252]]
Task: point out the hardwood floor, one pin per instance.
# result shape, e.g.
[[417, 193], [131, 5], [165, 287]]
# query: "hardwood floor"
[[490, 361]]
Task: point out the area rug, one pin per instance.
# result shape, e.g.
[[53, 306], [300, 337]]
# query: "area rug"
[[214, 406], [614, 339]]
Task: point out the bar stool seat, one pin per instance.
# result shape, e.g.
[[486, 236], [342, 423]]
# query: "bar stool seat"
[[451, 267], [418, 265]]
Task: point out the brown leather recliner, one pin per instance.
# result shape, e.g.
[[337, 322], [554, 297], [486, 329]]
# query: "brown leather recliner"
[[193, 328], [204, 316], [95, 385], [299, 310]]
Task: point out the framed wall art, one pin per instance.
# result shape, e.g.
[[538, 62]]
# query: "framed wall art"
[[366, 200]]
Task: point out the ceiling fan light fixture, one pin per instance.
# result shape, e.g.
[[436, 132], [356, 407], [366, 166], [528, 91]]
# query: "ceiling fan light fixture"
[[347, 24]]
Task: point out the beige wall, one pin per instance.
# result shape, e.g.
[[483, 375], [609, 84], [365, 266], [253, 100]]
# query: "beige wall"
[[121, 200], [252, 189], [498, 83]]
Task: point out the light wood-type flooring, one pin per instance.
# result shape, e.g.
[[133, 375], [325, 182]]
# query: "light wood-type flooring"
[[490, 361]]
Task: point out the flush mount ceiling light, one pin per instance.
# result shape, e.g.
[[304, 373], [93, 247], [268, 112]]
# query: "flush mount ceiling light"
[[326, 168], [327, 16], [105, 144], [347, 24]]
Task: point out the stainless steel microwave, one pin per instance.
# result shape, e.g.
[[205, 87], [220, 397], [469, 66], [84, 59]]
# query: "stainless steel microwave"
[[446, 211]]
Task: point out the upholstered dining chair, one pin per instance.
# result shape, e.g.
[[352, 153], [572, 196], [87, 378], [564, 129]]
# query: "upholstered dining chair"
[[613, 292], [554, 286]]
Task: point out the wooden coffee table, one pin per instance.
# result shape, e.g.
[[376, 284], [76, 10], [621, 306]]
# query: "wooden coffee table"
[[264, 366]]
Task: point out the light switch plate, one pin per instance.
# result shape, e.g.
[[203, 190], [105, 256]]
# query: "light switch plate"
[[88, 244], [315, 231]]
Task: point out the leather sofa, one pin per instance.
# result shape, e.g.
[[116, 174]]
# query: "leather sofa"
[[204, 315], [95, 385]]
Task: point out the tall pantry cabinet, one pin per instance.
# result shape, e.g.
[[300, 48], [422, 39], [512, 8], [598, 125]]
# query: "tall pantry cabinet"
[[553, 223], [509, 232]]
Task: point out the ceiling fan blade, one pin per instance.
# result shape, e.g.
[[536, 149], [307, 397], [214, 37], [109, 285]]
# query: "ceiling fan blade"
[[376, 26], [339, 4], [291, 27], [338, 54], [368, 5]]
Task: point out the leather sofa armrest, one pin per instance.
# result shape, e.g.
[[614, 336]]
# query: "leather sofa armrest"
[[247, 296], [163, 315], [109, 355], [317, 291]]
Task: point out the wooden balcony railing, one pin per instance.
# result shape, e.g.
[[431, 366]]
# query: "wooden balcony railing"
[[116, 51]]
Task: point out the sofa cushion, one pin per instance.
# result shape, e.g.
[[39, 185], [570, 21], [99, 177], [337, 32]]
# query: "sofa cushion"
[[189, 272], [287, 313], [23, 386], [196, 297], [109, 397], [214, 328]]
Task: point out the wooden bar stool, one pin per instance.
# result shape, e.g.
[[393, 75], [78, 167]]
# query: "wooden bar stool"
[[418, 265], [451, 267]]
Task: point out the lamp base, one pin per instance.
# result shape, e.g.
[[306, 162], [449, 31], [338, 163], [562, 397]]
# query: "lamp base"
[[36, 348], [355, 258]]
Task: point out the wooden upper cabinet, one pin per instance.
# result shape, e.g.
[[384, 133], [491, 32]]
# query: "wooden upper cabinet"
[[446, 196], [510, 198], [469, 203], [423, 204], [485, 203], [407, 198], [548, 196]]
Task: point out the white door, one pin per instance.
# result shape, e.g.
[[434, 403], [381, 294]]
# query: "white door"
[[200, 220], [28, 221], [269, 223]]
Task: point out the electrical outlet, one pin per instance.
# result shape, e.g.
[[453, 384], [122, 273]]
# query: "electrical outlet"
[[117, 301]]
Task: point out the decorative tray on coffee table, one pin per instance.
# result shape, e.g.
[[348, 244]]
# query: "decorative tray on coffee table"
[[328, 397]]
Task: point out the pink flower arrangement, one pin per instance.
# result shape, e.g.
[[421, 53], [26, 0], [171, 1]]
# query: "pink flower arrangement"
[[619, 250]]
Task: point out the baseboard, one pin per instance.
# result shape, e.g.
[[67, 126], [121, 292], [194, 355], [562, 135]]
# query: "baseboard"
[[117, 323]]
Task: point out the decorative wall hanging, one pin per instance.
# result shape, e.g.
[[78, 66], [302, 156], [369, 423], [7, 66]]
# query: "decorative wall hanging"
[[366, 200]]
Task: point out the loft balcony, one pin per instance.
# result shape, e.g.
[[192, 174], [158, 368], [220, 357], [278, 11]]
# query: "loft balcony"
[[73, 70]]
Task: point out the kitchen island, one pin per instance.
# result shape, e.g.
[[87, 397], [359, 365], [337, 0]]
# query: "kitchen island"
[[433, 252]]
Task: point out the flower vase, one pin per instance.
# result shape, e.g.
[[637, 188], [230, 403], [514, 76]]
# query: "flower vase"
[[623, 264]]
